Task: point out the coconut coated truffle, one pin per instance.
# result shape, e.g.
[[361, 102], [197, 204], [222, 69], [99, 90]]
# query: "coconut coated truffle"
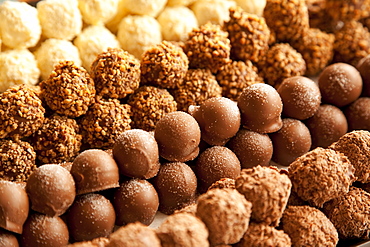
[[252, 6], [144, 7], [98, 11], [214, 11]]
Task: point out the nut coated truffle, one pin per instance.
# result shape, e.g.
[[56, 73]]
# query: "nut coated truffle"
[[347, 10], [69, 90], [260, 107], [358, 114], [313, 171], [308, 226], [267, 190], [178, 136], [230, 215]]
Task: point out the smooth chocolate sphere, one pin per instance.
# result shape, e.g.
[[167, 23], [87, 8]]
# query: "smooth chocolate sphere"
[[363, 67], [358, 114], [8, 239]]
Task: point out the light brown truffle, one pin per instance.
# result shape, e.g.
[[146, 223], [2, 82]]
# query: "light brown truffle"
[[96, 242], [223, 183], [230, 215], [267, 190], [347, 10], [308, 226], [318, 168]]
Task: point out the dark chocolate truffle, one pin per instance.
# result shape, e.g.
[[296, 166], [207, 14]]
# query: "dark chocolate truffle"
[[8, 239], [51, 190], [218, 119], [363, 66], [90, 216], [14, 205], [261, 107], [301, 97], [136, 153], [358, 114], [94, 170], [135, 200], [176, 185], [178, 136], [290, 142], [340, 84]]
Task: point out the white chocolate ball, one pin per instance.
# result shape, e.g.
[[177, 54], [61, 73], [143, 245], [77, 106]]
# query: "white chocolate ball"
[[122, 11], [96, 12], [180, 2], [214, 11], [252, 6], [145, 7]]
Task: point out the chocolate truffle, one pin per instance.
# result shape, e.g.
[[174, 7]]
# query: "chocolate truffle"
[[96, 242], [230, 215], [148, 105], [308, 226], [178, 136], [176, 185], [218, 119], [136, 153], [326, 126], [215, 163], [90, 216], [301, 97], [69, 90], [347, 10], [8, 239], [135, 200], [14, 204], [104, 122], [356, 146], [350, 214], [363, 66], [183, 229], [21, 112], [51, 190], [290, 142], [223, 183], [358, 114], [267, 190], [314, 170], [17, 159], [340, 84], [94, 170], [116, 73], [261, 107], [43, 230]]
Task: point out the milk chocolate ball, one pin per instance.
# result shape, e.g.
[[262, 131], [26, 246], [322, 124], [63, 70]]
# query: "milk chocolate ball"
[[358, 114], [363, 67], [8, 239]]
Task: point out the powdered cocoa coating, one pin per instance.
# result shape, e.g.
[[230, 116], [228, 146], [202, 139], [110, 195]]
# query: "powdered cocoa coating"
[[356, 146], [8, 239], [350, 214], [308, 226], [223, 183], [267, 190], [96, 242], [358, 114], [183, 229], [230, 215], [363, 66], [313, 171]]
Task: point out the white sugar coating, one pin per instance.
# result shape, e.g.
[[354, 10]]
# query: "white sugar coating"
[[101, 207], [145, 7], [137, 186], [60, 19], [51, 51], [252, 6], [97, 12], [18, 67], [180, 2], [121, 12], [92, 41], [137, 33], [176, 22], [305, 95], [19, 25], [49, 173], [214, 11]]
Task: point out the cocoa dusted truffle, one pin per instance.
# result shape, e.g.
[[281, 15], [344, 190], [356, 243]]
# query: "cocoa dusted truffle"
[[69, 90], [96, 242], [43, 230], [104, 122], [164, 65], [178, 136], [58, 140], [356, 146], [116, 73], [251, 148], [358, 114], [223, 183], [230, 215], [90, 216], [94, 170], [313, 171], [182, 229], [208, 47], [176, 185], [347, 10], [260, 106], [267, 189], [148, 105], [350, 214], [14, 204], [218, 119], [363, 66], [136, 153], [197, 86], [8, 239], [51, 190], [308, 226], [21, 112], [17, 159], [135, 200], [215, 163]]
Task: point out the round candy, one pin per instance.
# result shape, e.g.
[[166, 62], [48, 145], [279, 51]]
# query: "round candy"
[[8, 239], [358, 114], [363, 67]]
